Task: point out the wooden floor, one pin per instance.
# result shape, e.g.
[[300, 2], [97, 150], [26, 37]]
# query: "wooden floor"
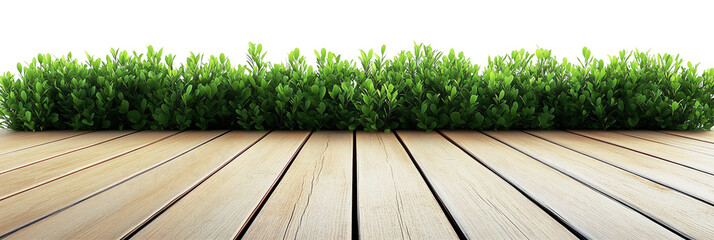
[[346, 185]]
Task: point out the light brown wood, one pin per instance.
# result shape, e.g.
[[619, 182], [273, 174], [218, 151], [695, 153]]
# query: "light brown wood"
[[673, 140], [23, 179], [482, 204], [689, 216], [691, 159], [685, 179], [118, 211], [38, 202], [705, 136], [314, 198], [15, 141], [220, 207], [394, 201], [18, 159]]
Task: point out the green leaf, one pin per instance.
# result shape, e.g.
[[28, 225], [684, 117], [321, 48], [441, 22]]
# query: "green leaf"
[[134, 116], [124, 107], [54, 117], [86, 122], [77, 102], [501, 121], [586, 53], [315, 89], [456, 117], [633, 121]]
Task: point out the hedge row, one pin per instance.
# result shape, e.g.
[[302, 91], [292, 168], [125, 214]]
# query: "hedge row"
[[419, 89]]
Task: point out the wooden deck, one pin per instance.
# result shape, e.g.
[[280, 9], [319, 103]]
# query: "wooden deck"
[[346, 185]]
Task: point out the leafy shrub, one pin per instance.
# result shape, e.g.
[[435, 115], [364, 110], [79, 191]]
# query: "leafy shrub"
[[419, 89]]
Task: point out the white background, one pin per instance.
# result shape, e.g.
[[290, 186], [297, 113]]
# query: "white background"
[[479, 29]]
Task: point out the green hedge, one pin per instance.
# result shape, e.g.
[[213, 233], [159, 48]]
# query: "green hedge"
[[419, 89]]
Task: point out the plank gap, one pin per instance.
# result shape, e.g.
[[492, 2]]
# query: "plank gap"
[[243, 229], [546, 210], [110, 186], [643, 153], [45, 143], [662, 141], [623, 169], [683, 136], [355, 213], [459, 232], [628, 205], [140, 226]]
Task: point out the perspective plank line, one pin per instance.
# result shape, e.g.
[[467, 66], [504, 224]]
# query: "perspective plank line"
[[688, 216], [14, 141], [481, 203], [673, 140], [18, 159], [118, 211], [314, 198], [687, 180], [704, 136], [37, 174], [221, 206], [36, 203], [394, 201], [691, 159]]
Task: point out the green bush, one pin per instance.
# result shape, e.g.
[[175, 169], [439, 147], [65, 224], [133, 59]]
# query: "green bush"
[[419, 89]]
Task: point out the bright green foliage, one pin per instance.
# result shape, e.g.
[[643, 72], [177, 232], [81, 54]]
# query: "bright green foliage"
[[419, 89]]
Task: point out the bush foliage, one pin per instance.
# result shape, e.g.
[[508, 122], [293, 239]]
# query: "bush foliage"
[[419, 89]]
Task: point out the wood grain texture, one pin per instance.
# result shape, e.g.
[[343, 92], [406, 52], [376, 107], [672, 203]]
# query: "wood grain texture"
[[685, 179], [220, 207], [704, 136], [691, 159], [687, 215], [482, 204], [34, 175], [394, 201], [22, 140], [118, 211], [18, 159], [38, 202], [673, 140], [314, 198]]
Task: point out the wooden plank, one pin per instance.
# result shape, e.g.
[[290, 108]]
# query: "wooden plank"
[[482, 204], [690, 217], [220, 207], [676, 155], [118, 211], [18, 159], [704, 136], [673, 140], [314, 198], [22, 140], [36, 203], [690, 181], [23, 179], [394, 201]]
